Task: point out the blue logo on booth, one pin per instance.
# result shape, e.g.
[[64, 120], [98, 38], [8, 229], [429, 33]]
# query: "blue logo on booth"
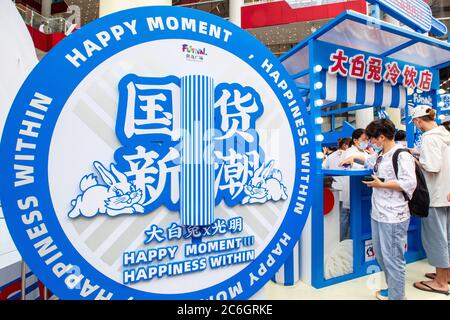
[[187, 142]]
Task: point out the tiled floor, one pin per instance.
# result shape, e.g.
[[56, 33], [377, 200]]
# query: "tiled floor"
[[357, 289]]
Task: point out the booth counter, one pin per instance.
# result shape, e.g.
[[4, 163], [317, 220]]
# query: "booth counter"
[[360, 244], [352, 63]]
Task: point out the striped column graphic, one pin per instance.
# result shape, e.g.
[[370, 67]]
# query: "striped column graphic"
[[197, 162], [289, 273]]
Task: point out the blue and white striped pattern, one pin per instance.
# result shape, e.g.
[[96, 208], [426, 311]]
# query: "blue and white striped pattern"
[[10, 278], [197, 166], [355, 91], [289, 273], [423, 15], [416, 12]]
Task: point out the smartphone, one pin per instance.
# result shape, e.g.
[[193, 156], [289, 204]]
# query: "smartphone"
[[361, 162], [370, 179]]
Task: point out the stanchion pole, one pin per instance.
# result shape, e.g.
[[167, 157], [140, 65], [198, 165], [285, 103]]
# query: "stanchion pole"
[[45, 293], [23, 278]]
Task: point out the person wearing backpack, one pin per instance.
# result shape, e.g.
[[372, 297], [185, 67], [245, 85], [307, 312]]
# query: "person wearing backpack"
[[435, 162], [390, 213]]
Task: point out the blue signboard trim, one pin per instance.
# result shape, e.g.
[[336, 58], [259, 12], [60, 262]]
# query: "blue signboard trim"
[[438, 28], [326, 48], [363, 19]]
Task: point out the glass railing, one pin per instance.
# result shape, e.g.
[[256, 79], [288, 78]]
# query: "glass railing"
[[296, 3], [44, 24], [253, 2], [216, 7]]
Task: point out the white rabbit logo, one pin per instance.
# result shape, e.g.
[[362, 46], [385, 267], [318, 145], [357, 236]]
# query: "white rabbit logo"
[[117, 197], [265, 185]]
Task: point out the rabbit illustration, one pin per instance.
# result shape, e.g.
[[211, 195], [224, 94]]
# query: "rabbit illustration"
[[265, 185], [115, 198]]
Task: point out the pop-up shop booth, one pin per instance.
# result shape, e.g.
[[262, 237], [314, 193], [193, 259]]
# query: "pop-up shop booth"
[[352, 63], [136, 178]]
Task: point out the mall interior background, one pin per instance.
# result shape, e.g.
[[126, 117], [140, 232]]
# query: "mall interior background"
[[49, 21]]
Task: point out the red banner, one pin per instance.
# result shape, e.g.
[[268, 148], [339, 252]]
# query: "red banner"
[[45, 42], [279, 12]]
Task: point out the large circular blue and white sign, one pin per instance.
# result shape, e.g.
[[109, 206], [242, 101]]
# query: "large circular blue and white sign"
[[157, 153]]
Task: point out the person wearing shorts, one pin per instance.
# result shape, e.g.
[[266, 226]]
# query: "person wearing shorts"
[[435, 162]]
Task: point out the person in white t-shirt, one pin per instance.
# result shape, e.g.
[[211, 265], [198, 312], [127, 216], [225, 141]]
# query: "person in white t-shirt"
[[390, 213], [341, 184], [435, 163]]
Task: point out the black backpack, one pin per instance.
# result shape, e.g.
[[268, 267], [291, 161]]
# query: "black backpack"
[[419, 204]]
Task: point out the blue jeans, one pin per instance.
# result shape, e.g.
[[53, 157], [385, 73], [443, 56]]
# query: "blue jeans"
[[389, 241], [344, 217]]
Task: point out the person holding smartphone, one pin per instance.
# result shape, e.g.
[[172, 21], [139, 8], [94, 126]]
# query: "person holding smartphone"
[[390, 213]]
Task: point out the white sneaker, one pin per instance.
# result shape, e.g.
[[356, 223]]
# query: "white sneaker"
[[382, 294]]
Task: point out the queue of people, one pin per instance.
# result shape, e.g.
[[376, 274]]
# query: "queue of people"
[[394, 186]]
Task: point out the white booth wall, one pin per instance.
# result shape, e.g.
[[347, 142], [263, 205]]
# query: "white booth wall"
[[17, 59]]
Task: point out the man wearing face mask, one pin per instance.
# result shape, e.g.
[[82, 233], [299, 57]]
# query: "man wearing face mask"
[[390, 213], [435, 162]]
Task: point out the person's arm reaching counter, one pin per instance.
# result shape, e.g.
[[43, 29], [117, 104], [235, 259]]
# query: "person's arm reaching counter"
[[351, 160]]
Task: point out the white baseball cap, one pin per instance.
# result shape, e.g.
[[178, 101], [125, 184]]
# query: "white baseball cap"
[[420, 111]]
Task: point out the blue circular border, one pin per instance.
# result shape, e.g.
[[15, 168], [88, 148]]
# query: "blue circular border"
[[46, 79]]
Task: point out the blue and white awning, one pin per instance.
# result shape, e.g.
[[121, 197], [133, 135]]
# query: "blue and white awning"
[[355, 91]]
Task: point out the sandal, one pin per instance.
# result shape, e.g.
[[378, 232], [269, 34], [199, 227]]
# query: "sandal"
[[432, 276], [430, 289]]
